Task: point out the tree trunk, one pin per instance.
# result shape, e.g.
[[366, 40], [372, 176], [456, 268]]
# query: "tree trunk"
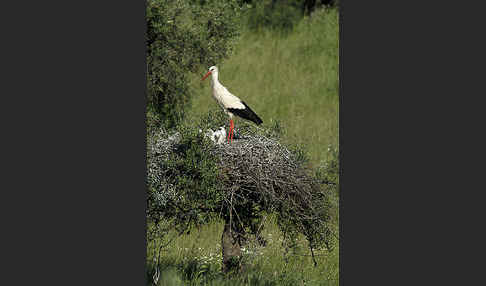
[[230, 249]]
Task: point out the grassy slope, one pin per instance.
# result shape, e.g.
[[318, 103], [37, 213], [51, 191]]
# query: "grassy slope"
[[293, 79]]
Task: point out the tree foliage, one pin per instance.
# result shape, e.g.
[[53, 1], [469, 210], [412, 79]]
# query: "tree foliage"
[[183, 36], [193, 180]]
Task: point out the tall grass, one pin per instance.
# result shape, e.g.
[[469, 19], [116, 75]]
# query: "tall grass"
[[195, 259], [292, 78]]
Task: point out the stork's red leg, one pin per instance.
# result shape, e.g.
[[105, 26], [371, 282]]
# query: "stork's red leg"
[[232, 126], [232, 130]]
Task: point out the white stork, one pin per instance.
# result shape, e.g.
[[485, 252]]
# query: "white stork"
[[231, 104]]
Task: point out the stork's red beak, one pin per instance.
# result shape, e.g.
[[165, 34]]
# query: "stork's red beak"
[[205, 76]]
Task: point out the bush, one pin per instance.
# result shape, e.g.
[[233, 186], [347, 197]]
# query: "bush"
[[184, 36], [276, 15], [310, 5], [193, 180], [281, 15]]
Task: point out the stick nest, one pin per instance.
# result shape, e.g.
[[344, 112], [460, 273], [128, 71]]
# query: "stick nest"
[[255, 174]]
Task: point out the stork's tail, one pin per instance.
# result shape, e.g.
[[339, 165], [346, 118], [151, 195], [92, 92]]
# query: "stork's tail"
[[247, 114]]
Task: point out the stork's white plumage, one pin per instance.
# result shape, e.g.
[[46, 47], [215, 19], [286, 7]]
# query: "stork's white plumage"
[[231, 104]]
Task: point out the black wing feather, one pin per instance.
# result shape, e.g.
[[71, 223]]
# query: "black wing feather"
[[246, 113]]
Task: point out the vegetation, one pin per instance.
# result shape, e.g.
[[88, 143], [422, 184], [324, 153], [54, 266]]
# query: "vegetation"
[[281, 15], [195, 259], [183, 36], [192, 180], [291, 80]]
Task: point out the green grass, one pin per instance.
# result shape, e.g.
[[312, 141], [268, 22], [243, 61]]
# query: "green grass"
[[293, 79], [195, 259]]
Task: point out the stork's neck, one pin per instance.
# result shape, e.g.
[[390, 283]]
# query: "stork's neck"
[[214, 79]]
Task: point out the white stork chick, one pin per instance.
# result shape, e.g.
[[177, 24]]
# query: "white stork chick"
[[231, 104]]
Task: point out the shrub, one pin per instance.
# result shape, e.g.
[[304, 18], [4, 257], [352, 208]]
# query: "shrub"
[[192, 181], [308, 6], [183, 36], [281, 15], [277, 15]]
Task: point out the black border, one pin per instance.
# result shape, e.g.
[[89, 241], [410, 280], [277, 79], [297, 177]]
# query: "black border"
[[409, 69], [74, 76]]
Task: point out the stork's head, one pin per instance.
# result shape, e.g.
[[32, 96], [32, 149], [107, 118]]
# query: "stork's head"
[[211, 70]]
